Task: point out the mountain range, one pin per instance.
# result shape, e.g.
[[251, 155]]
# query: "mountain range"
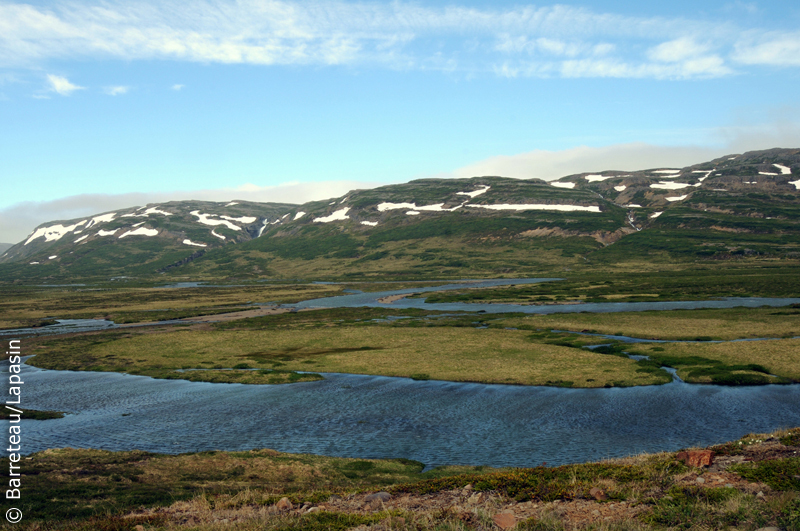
[[735, 207]]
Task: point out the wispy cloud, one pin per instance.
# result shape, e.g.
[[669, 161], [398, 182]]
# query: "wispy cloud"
[[117, 90], [61, 85], [177, 87], [520, 41], [772, 48]]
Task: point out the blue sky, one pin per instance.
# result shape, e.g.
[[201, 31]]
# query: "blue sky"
[[116, 103]]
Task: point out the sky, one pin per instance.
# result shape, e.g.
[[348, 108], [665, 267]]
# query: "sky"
[[109, 104]]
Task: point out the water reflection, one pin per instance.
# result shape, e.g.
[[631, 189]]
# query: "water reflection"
[[378, 417]]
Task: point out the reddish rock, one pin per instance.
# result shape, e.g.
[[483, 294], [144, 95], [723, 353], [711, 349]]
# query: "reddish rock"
[[598, 494], [696, 458], [504, 520]]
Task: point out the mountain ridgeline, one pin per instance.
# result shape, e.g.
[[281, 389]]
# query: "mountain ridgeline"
[[736, 207]]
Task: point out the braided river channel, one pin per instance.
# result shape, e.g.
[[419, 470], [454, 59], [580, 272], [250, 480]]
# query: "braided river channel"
[[434, 422]]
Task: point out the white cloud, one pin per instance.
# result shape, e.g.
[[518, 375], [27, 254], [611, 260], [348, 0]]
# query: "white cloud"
[[177, 87], [61, 85], [677, 50], [509, 41], [774, 49], [116, 91], [19, 220]]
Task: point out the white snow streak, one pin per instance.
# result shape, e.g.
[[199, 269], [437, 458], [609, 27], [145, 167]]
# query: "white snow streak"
[[425, 208], [669, 172], [370, 223], [54, 232], [620, 188], [187, 241], [597, 178], [664, 185], [796, 183], [102, 232], [243, 219], [204, 219], [785, 170], [141, 231], [561, 208], [100, 219], [562, 185], [82, 238], [654, 215], [151, 210], [679, 198], [412, 213], [393, 206], [339, 215], [220, 236], [298, 215], [475, 193], [634, 205], [52, 257]]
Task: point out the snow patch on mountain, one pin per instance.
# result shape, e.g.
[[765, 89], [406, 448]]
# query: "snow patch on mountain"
[[620, 188], [100, 219], [205, 220], [597, 178], [243, 219], [370, 223], [475, 193], [785, 170], [298, 215], [438, 207], [339, 215], [679, 198], [151, 210], [654, 215], [232, 203], [52, 257], [560, 208], [82, 238], [187, 241], [102, 232], [220, 236], [53, 232], [141, 231], [664, 185], [412, 213], [383, 207], [562, 185], [668, 172], [796, 183]]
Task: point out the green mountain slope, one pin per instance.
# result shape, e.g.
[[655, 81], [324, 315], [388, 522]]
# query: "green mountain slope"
[[735, 207]]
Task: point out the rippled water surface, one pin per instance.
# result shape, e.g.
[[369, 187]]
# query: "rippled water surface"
[[379, 417]]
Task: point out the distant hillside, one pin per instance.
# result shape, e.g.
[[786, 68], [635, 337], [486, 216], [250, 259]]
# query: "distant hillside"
[[733, 207], [5, 247]]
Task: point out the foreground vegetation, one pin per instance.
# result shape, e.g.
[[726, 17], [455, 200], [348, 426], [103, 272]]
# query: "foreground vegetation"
[[753, 483]]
